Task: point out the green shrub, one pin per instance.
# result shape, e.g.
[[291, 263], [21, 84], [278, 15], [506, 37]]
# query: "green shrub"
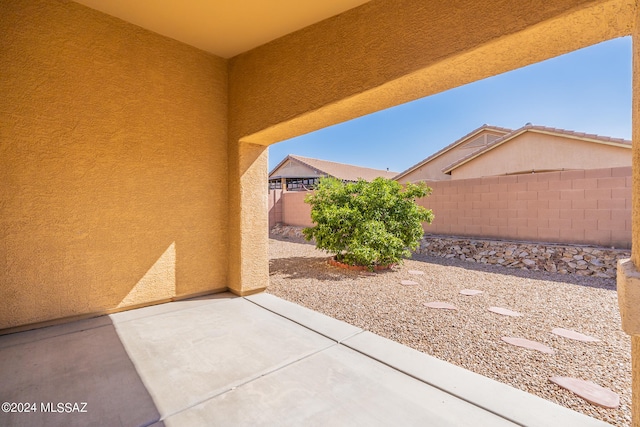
[[367, 223]]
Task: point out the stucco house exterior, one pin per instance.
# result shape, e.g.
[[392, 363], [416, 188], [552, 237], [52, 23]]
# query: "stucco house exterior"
[[297, 173], [133, 136], [493, 151]]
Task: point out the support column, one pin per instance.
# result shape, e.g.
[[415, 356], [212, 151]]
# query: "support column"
[[628, 277], [248, 219], [635, 388]]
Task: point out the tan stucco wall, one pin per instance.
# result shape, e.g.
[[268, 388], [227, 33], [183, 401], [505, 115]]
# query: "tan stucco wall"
[[113, 164], [635, 228], [368, 58], [432, 171], [543, 152]]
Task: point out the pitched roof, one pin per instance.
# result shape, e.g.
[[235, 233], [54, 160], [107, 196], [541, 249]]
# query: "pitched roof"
[[338, 170], [451, 146], [590, 137]]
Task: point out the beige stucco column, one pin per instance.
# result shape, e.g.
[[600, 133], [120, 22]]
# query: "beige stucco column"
[[248, 218], [629, 302], [628, 272]]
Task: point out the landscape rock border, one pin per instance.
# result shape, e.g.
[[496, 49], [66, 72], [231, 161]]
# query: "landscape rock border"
[[555, 258]]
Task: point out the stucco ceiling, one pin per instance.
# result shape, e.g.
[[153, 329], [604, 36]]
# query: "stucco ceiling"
[[223, 27]]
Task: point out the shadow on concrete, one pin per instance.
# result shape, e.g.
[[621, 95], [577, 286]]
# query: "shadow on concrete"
[[78, 374], [574, 279]]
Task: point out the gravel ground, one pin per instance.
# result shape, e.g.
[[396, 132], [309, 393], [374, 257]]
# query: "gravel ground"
[[471, 336]]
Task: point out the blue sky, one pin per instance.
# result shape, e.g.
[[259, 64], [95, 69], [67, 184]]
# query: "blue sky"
[[588, 90]]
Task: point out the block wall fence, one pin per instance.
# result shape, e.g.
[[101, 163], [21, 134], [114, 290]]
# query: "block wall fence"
[[289, 208], [591, 207]]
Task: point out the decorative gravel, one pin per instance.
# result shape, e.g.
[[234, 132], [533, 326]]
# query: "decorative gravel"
[[471, 336]]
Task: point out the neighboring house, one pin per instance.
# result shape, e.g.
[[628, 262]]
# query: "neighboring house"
[[493, 151], [297, 173], [430, 169]]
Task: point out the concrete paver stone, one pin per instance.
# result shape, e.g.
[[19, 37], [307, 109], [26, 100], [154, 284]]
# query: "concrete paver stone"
[[525, 343], [574, 335], [408, 283], [504, 311], [589, 391], [440, 305], [470, 292]]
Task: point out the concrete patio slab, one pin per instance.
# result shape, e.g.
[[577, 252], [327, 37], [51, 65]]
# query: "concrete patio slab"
[[87, 367], [258, 360], [336, 387], [190, 355]]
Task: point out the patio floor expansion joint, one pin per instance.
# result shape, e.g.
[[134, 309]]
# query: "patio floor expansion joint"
[[248, 380]]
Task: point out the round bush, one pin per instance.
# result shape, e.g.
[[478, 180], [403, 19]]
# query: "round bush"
[[367, 223]]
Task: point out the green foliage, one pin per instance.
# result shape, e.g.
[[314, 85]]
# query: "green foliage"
[[367, 223]]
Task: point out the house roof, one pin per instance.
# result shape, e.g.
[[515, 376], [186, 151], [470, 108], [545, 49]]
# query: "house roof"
[[453, 145], [598, 139], [338, 170]]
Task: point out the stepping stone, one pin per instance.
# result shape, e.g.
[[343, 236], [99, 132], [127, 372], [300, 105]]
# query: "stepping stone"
[[408, 283], [589, 391], [525, 343], [504, 311], [416, 272], [470, 292], [568, 333], [440, 304]]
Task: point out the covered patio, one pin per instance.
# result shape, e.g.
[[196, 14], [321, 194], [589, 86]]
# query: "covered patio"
[[133, 169]]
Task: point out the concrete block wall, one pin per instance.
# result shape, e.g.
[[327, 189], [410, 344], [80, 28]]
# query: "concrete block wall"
[[275, 207], [580, 206], [591, 207], [294, 210]]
